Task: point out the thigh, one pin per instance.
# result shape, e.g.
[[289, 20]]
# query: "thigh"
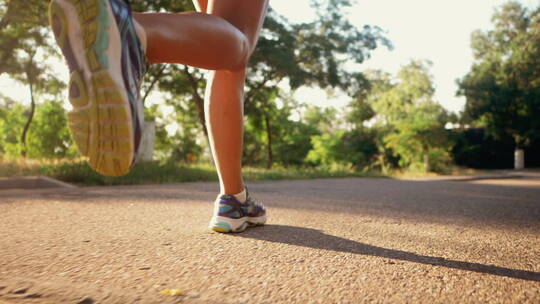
[[246, 15]]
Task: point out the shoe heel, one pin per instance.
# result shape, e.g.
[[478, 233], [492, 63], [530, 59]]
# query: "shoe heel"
[[79, 119]]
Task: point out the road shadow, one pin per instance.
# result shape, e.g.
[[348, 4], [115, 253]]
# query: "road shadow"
[[316, 239]]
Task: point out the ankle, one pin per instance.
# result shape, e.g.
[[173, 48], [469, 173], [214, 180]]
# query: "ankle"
[[242, 196]]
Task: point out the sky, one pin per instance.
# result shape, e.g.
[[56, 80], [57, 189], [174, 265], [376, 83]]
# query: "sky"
[[435, 30]]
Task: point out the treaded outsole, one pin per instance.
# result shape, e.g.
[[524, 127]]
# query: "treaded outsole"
[[223, 227], [100, 122]]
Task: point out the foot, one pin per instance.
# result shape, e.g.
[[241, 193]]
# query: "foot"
[[230, 215], [107, 64]]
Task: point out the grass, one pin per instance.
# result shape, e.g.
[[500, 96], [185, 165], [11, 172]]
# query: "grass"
[[144, 173], [451, 171], [19, 167], [78, 172]]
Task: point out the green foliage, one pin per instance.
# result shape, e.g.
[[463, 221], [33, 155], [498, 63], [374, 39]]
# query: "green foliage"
[[79, 173], [355, 149], [502, 88], [182, 143], [421, 132], [322, 120], [359, 112], [49, 136], [24, 48], [293, 144], [290, 139], [12, 119], [23, 26], [142, 173], [25, 45], [392, 99], [411, 125], [327, 149], [360, 146], [311, 53]]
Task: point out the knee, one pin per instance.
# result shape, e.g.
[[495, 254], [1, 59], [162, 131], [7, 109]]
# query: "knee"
[[242, 54]]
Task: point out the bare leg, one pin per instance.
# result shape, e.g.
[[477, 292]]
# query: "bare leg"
[[224, 98], [195, 39], [222, 39]]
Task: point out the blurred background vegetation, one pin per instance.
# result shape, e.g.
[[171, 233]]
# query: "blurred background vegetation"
[[391, 124]]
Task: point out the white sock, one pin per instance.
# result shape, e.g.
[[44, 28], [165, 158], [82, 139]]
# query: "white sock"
[[241, 197]]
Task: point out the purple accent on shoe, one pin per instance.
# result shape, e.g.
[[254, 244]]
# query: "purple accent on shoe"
[[230, 207], [134, 64]]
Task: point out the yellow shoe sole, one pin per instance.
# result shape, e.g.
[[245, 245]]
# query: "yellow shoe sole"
[[101, 121]]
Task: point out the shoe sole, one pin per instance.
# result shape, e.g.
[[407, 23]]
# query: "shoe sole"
[[101, 119], [228, 225]]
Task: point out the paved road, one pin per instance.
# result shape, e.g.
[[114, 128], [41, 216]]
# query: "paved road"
[[328, 241]]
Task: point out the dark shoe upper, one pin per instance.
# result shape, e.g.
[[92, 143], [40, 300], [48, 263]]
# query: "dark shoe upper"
[[134, 63], [230, 207]]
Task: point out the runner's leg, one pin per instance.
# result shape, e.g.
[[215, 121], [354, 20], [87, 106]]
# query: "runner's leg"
[[192, 38], [222, 40], [224, 101]]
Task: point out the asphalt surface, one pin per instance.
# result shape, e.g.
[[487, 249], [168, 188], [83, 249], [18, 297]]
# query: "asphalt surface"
[[327, 241]]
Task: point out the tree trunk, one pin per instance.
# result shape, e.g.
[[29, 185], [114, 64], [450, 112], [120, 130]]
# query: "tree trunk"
[[202, 119], [426, 160], [153, 83], [29, 121], [269, 137]]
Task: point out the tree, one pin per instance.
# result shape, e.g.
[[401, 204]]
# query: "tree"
[[328, 149], [177, 133], [503, 86], [420, 136], [22, 24], [312, 54], [11, 126], [392, 99], [321, 119], [49, 136], [409, 123], [24, 48]]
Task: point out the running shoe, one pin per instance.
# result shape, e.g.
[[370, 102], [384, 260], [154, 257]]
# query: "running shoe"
[[230, 215], [107, 64]]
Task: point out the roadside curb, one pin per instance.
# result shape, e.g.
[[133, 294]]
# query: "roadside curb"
[[32, 182], [465, 178]]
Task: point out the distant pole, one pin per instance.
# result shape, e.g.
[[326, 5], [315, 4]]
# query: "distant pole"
[[519, 159], [148, 141]]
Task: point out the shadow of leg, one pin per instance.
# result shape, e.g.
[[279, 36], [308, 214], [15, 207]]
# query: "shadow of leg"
[[313, 238]]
